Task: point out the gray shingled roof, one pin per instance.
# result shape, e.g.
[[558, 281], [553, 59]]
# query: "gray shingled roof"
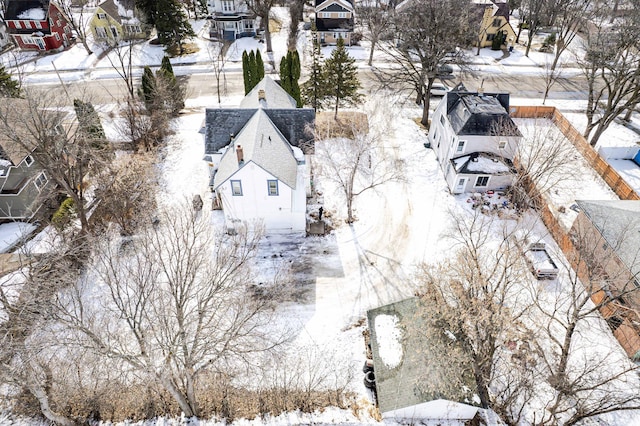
[[275, 96], [111, 8], [480, 114], [425, 372], [263, 144], [619, 224]]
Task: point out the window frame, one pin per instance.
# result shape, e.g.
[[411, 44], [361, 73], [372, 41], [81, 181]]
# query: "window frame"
[[102, 16], [28, 161], [269, 189], [502, 144], [461, 146], [476, 184], [41, 181], [236, 191]]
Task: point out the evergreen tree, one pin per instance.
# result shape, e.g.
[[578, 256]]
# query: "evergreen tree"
[[172, 24], [173, 91], [246, 72], [341, 78], [148, 88], [259, 67], [289, 75], [313, 89], [9, 88], [89, 122], [149, 9], [253, 71]]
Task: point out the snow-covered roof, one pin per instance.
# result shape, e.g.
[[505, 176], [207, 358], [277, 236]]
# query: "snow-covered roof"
[[484, 163], [618, 221], [120, 10], [411, 366], [274, 96], [472, 113], [263, 144], [32, 10]]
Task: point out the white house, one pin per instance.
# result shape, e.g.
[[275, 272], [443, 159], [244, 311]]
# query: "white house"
[[232, 19], [475, 140], [262, 177], [258, 155]]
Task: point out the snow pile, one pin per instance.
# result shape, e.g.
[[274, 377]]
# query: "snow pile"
[[487, 165], [389, 340], [35, 14], [13, 232]]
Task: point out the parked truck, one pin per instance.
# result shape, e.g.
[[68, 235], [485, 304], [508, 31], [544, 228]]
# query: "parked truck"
[[540, 261]]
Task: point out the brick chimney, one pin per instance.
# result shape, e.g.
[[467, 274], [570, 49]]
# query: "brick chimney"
[[261, 95], [240, 155]]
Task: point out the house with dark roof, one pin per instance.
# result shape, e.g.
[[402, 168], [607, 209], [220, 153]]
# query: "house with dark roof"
[[22, 179], [334, 19], [492, 17], [475, 140], [115, 20], [606, 233], [232, 19], [421, 373], [37, 25], [258, 155]]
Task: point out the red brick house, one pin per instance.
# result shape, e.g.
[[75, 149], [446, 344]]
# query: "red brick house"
[[37, 25]]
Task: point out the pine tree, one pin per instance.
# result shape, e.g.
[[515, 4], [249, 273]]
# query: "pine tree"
[[253, 71], [148, 88], [259, 67], [289, 75], [313, 90], [149, 9], [172, 24], [170, 84], [246, 72], [89, 122], [9, 88], [341, 78]]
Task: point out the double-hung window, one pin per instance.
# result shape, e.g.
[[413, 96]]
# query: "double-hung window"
[[236, 188], [272, 187], [482, 181]]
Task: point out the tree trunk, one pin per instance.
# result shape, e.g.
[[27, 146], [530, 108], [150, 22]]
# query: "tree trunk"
[[596, 135], [43, 399], [83, 39], [374, 40], [481, 386], [335, 116], [178, 396], [267, 33]]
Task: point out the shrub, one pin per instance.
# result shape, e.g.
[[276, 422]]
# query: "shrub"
[[356, 38], [64, 214]]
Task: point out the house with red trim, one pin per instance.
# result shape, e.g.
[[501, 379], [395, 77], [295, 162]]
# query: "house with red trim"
[[37, 25]]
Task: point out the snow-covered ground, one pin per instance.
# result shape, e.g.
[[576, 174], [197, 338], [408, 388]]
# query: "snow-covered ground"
[[358, 267]]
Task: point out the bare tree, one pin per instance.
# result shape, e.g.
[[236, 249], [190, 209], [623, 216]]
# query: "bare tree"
[[611, 67], [542, 160], [429, 33], [217, 51], [551, 74], [590, 375], [126, 191], [177, 304], [376, 19], [476, 298], [78, 20], [123, 63], [357, 164], [571, 17], [262, 8], [535, 12], [66, 151], [296, 10]]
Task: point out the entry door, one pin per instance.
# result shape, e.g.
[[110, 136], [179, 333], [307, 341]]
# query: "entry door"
[[461, 183]]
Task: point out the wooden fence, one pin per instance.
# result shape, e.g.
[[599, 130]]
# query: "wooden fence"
[[627, 334]]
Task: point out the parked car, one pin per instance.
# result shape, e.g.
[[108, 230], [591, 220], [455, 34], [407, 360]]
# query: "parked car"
[[439, 89]]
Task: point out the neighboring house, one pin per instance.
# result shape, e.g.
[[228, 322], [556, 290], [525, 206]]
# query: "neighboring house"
[[22, 180], [475, 140], [116, 20], [232, 19], [493, 16], [607, 236], [258, 155], [334, 19], [413, 375], [37, 25]]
